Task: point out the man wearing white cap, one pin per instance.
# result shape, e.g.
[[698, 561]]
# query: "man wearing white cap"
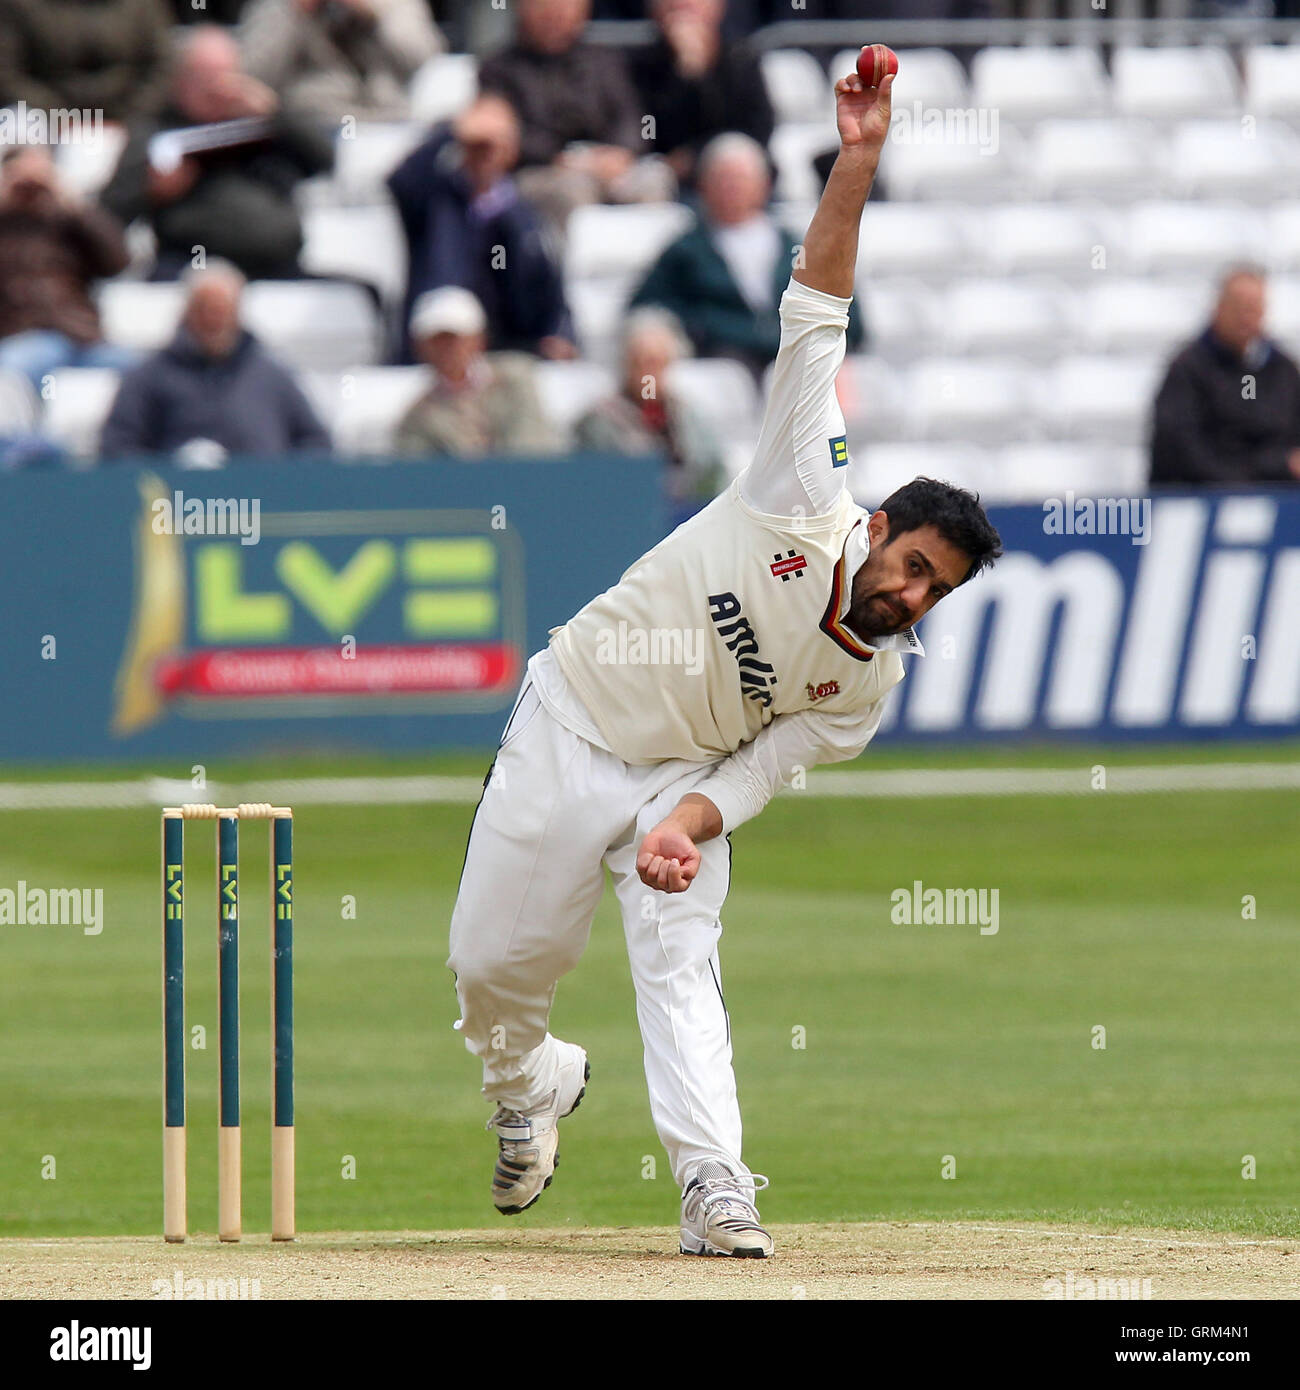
[[480, 402]]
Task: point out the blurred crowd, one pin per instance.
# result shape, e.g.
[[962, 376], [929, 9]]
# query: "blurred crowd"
[[229, 111]]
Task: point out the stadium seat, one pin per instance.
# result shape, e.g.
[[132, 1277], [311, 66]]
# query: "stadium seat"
[[1138, 316], [443, 87], [1035, 472], [1282, 242], [77, 407], [17, 404], [927, 239], [598, 308], [932, 76], [876, 470], [140, 315], [871, 397], [1283, 317], [984, 401], [362, 406], [87, 165], [793, 147], [313, 323], [1221, 159], [796, 85], [1038, 238], [902, 319], [1192, 237], [1004, 316], [955, 168], [1109, 159], [365, 156], [1098, 398], [724, 395], [1174, 83], [1273, 81], [620, 241], [1031, 83], [365, 243], [567, 390]]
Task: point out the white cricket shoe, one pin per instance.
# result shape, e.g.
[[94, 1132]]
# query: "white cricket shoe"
[[719, 1216], [527, 1142]]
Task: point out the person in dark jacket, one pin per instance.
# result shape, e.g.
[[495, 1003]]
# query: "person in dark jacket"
[[53, 247], [86, 55], [695, 85], [466, 224], [1229, 409], [579, 117], [235, 200], [214, 391], [724, 278]]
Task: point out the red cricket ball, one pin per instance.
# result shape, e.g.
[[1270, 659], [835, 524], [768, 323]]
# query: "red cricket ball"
[[875, 63]]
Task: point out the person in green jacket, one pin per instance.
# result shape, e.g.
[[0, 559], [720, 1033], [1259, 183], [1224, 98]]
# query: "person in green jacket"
[[724, 277]]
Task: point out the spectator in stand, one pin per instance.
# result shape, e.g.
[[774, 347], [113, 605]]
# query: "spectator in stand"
[[228, 190], [53, 247], [213, 391], [647, 417], [85, 55], [695, 85], [724, 277], [479, 402], [466, 224], [580, 122], [1211, 426], [336, 58]]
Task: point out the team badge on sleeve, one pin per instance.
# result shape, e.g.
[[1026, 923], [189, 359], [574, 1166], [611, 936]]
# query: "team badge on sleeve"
[[839, 451]]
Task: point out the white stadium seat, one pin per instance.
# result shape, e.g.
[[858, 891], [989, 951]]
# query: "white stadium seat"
[[923, 165], [1098, 397], [981, 401], [366, 154], [902, 319], [567, 390], [879, 469], [932, 76], [929, 239], [140, 315], [77, 407], [621, 241], [1137, 316], [723, 393], [313, 323], [1273, 81], [1174, 83], [366, 243], [362, 406], [1167, 238], [1034, 472], [1030, 83], [598, 308], [1110, 159], [1038, 238], [87, 165], [1282, 242], [793, 148], [796, 85], [17, 404], [871, 396], [1224, 159], [1004, 316], [1283, 314], [443, 86]]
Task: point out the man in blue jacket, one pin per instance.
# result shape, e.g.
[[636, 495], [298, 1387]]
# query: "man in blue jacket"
[[213, 391], [467, 225]]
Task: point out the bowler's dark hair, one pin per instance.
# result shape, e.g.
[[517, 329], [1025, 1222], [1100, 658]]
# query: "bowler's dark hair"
[[955, 513]]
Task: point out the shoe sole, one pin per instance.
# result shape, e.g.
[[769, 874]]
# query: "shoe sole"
[[515, 1211], [746, 1252]]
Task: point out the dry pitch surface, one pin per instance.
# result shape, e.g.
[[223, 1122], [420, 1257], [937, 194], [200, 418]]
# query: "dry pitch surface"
[[912, 1260]]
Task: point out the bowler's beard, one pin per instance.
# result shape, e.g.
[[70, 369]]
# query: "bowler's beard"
[[873, 614]]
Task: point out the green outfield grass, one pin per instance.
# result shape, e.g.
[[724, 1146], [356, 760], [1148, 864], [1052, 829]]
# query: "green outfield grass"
[[921, 1041]]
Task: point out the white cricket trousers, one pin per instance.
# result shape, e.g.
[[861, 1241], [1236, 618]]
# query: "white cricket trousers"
[[555, 810]]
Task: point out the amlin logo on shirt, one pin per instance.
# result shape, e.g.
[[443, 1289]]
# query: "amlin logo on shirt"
[[839, 451]]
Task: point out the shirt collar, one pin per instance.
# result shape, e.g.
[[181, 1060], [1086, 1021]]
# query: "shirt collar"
[[856, 549]]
